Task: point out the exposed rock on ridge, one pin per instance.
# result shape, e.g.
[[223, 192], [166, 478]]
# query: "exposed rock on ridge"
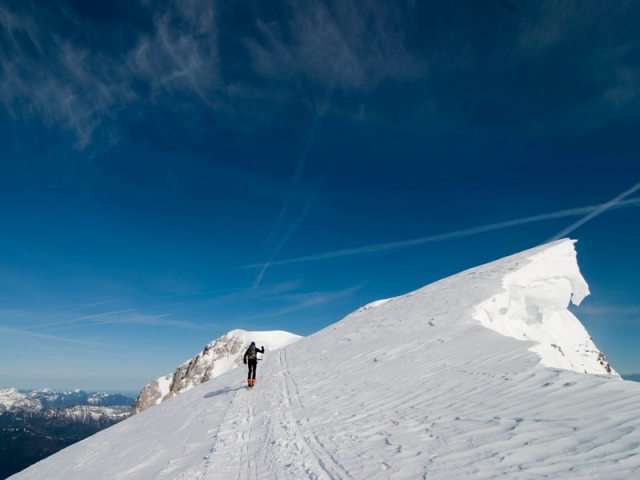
[[218, 357]]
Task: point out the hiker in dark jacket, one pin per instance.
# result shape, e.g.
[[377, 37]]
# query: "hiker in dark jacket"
[[251, 359]]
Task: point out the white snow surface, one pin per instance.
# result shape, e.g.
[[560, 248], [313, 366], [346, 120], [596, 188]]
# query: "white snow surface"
[[533, 306], [414, 388], [9, 397]]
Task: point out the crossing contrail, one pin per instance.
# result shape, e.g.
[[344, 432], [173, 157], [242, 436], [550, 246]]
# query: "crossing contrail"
[[284, 239], [302, 162], [285, 206], [464, 233], [598, 211]]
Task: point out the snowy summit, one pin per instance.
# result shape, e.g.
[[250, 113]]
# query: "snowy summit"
[[218, 357], [480, 375]]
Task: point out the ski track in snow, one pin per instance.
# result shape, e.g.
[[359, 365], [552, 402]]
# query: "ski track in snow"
[[306, 439], [245, 445]]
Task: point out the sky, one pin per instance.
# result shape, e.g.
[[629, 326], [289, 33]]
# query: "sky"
[[174, 170]]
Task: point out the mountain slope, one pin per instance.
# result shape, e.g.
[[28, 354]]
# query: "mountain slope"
[[414, 387], [218, 357]]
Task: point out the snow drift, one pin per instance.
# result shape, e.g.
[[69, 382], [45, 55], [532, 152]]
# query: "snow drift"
[[414, 387]]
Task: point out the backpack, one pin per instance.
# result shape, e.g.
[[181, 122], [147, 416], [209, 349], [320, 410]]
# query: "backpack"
[[251, 353]]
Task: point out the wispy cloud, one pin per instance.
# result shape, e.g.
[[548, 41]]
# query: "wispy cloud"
[[163, 320], [343, 44], [303, 301], [549, 23], [80, 86], [45, 74], [64, 318], [449, 235], [66, 308], [181, 53], [59, 320], [596, 212], [44, 336], [611, 67], [202, 57]]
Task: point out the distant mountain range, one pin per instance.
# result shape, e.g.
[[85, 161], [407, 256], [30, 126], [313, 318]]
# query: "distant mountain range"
[[35, 424]]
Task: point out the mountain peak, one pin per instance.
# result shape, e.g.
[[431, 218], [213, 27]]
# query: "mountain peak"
[[218, 357]]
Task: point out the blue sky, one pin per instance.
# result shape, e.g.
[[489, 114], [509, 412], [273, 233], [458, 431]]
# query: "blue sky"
[[173, 170]]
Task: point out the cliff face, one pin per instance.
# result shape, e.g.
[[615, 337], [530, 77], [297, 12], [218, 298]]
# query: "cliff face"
[[218, 357], [201, 367]]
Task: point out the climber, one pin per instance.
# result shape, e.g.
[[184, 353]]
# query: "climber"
[[251, 358]]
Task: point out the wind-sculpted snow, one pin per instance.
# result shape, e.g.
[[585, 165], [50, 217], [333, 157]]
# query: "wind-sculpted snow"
[[414, 388], [533, 307]]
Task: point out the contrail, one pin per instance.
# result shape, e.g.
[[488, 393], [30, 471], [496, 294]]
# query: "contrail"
[[286, 237], [444, 236], [92, 317], [307, 301], [302, 162], [44, 336], [285, 206], [598, 211]]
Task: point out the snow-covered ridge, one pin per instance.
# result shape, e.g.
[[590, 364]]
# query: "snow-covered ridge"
[[533, 307], [414, 388], [218, 357], [9, 397], [371, 305]]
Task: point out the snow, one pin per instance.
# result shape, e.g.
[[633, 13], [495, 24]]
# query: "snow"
[[533, 306], [9, 396], [415, 387], [164, 385]]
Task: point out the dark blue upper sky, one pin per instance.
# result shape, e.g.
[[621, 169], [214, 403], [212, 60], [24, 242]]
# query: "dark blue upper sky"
[[172, 170]]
